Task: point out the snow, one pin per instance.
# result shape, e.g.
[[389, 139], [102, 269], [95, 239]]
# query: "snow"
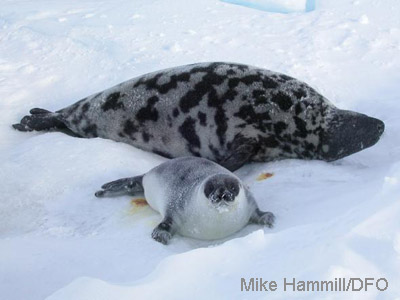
[[57, 241]]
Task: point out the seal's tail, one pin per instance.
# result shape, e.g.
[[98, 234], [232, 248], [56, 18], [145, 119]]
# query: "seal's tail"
[[40, 119]]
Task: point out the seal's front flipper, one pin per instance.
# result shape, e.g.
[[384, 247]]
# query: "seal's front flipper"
[[263, 218], [40, 119], [164, 231], [241, 151], [125, 186], [259, 217]]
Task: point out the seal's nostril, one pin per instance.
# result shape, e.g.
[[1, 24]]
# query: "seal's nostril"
[[381, 127]]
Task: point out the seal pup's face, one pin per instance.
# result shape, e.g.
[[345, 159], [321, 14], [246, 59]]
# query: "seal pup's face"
[[221, 190], [349, 132]]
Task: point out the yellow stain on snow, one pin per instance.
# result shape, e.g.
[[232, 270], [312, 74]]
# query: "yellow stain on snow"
[[139, 211], [264, 176], [139, 202], [137, 205]]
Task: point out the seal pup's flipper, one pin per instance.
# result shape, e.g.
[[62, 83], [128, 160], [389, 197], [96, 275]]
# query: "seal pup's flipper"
[[132, 186], [40, 119], [259, 217], [164, 231], [262, 218]]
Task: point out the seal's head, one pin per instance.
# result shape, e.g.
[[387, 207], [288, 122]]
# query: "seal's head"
[[222, 190], [349, 132]]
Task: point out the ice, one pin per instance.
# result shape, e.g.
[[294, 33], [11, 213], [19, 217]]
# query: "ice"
[[277, 6]]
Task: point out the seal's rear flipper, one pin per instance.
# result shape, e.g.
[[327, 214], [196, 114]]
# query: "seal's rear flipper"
[[40, 119], [38, 111], [126, 186]]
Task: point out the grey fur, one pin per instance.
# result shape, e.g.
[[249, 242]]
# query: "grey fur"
[[225, 112]]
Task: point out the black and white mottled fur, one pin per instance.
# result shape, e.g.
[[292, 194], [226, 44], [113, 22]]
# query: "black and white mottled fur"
[[225, 112], [195, 197]]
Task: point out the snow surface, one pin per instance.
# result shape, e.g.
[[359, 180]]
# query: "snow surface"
[[57, 241]]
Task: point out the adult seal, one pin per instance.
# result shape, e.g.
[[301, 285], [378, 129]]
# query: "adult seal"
[[195, 197], [225, 112]]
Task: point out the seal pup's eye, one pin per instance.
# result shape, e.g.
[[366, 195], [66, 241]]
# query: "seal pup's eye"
[[221, 188], [208, 189], [233, 187]]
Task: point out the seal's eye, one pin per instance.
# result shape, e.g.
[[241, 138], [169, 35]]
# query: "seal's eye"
[[209, 188], [233, 187]]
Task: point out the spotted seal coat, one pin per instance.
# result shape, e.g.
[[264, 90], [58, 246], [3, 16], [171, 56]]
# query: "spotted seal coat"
[[229, 113], [195, 197]]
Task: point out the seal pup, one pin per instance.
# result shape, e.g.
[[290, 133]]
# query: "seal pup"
[[229, 113], [196, 198]]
